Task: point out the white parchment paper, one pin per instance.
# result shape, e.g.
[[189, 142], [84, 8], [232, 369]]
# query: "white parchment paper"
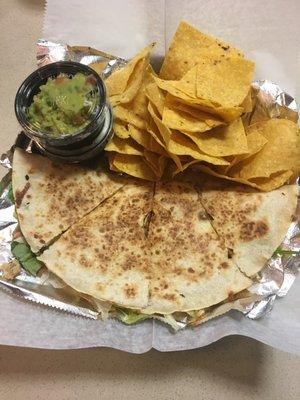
[[267, 32]]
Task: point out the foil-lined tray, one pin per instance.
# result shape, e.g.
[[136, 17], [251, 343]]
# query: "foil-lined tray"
[[275, 279]]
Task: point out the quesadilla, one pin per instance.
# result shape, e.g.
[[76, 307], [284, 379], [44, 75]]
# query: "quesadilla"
[[190, 269], [170, 262], [51, 197], [105, 254], [251, 224]]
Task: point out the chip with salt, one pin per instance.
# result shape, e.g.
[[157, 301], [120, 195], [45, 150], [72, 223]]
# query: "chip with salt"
[[226, 113], [156, 96], [280, 153], [180, 145], [124, 146], [266, 185], [126, 114], [222, 141], [255, 142], [225, 81], [188, 47], [175, 118], [156, 162], [117, 82], [120, 129], [165, 133], [145, 139], [132, 165]]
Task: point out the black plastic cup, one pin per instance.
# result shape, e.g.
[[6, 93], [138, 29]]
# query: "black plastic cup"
[[84, 144]]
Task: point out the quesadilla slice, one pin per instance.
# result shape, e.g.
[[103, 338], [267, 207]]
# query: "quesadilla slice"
[[105, 254], [190, 269], [51, 197], [251, 224]]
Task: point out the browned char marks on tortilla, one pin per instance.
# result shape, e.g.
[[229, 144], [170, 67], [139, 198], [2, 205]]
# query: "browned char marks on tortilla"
[[130, 290], [253, 230], [19, 195]]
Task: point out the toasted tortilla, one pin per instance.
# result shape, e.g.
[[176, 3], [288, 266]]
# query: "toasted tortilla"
[[190, 269], [105, 254], [51, 197], [251, 224], [121, 253]]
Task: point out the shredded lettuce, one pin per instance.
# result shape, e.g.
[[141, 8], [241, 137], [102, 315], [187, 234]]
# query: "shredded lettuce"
[[130, 317], [10, 194], [28, 260], [281, 252]]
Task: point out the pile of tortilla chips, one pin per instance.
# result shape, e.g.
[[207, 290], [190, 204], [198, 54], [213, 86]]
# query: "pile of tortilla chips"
[[195, 114]]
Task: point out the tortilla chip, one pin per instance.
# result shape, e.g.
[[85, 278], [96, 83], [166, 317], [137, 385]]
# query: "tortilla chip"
[[274, 181], [156, 96], [181, 145], [224, 81], [180, 120], [266, 185], [280, 153], [125, 114], [255, 142], [132, 165], [165, 133], [222, 141], [124, 146], [187, 83], [135, 81], [228, 114], [145, 139], [156, 162], [185, 165], [188, 47], [120, 129], [139, 105], [247, 103], [117, 82], [210, 120]]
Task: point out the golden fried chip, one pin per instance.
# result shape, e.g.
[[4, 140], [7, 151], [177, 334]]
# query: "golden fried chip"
[[273, 182], [211, 121], [185, 165], [145, 139], [139, 105], [156, 162], [222, 141], [177, 119], [255, 142], [132, 165], [228, 114], [224, 81], [247, 103], [120, 129], [156, 96], [280, 153], [188, 47], [266, 185], [125, 114], [117, 82], [165, 133], [180, 145], [124, 146], [135, 81]]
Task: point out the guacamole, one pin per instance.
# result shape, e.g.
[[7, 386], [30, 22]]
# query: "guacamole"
[[64, 104]]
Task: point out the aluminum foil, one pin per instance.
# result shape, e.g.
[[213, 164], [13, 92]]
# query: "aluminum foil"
[[105, 64], [275, 279]]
